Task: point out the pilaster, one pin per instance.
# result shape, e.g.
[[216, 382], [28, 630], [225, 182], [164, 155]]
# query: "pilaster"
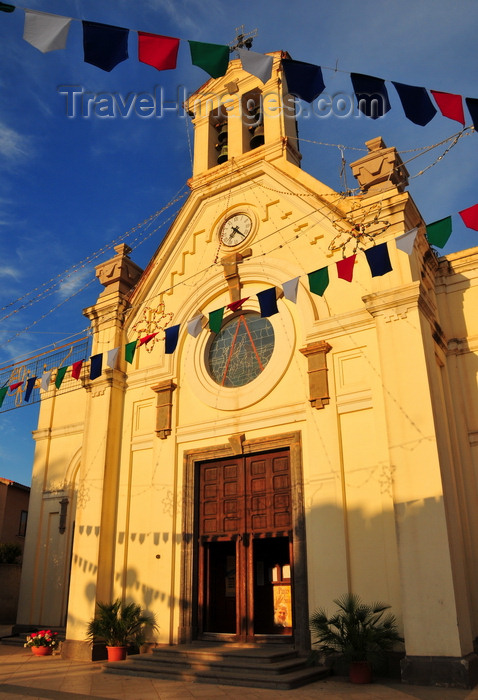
[[435, 615]]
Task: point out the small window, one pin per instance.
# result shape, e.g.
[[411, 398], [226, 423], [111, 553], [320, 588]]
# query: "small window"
[[22, 528]]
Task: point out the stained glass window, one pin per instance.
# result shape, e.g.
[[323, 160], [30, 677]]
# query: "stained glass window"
[[241, 350]]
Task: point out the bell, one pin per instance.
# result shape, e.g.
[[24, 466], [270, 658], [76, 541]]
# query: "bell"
[[222, 157], [257, 138], [222, 136]]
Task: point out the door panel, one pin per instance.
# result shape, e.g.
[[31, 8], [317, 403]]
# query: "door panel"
[[245, 526], [220, 587]]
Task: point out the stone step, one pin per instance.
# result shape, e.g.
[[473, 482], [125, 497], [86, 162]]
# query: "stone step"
[[252, 667]]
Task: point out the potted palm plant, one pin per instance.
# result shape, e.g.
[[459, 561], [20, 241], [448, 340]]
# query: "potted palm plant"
[[119, 626], [362, 633]]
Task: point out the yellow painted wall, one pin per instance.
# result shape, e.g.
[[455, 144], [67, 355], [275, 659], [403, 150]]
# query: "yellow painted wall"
[[389, 464]]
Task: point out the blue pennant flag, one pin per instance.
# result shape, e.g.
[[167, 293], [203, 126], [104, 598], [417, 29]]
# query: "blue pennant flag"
[[304, 80], [104, 46], [371, 94]]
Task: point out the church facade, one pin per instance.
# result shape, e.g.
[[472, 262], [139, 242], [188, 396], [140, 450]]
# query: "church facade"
[[310, 430]]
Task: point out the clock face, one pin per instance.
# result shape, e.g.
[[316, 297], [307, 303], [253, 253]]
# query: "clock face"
[[235, 230]]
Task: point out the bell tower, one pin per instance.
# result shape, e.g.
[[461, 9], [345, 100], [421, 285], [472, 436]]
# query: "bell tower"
[[238, 118]]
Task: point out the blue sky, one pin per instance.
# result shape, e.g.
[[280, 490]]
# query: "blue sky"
[[71, 187]]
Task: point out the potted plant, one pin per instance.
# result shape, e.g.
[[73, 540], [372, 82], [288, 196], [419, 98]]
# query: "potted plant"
[[42, 643], [119, 626], [362, 633]]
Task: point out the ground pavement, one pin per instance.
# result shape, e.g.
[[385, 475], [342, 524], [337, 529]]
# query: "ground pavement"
[[24, 676]]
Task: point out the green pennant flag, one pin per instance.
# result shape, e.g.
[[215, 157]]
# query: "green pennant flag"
[[213, 58], [129, 351], [60, 374], [215, 320], [4, 7], [319, 281], [3, 393], [439, 232]]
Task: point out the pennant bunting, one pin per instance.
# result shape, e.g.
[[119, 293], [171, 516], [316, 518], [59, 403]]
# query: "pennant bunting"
[[268, 302], [195, 325], [319, 281], [472, 104], [213, 58], [3, 393], [60, 375], [45, 380], [371, 94], [235, 305], [76, 369], [111, 357], [161, 52], [46, 32], [104, 46], [470, 217], [129, 351], [215, 320], [416, 103], [378, 260], [171, 339], [147, 338], [450, 105], [96, 365], [290, 289], [15, 386], [257, 64], [30, 385], [345, 268], [304, 80], [439, 232], [406, 241], [5, 7]]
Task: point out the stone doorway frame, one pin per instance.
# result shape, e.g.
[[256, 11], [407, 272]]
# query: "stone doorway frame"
[[189, 550]]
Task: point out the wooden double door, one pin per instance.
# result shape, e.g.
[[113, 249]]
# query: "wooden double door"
[[245, 587]]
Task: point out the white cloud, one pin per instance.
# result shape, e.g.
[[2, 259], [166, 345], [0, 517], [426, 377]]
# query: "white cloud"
[[74, 282], [9, 271], [12, 144]]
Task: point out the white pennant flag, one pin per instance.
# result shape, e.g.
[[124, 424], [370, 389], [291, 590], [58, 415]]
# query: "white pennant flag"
[[290, 289], [44, 31], [195, 326], [257, 64], [45, 380], [111, 357], [406, 241]]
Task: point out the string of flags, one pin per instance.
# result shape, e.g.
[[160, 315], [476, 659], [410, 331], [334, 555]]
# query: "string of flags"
[[105, 46], [378, 260]]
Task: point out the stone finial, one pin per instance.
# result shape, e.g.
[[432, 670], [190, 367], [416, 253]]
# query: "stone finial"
[[119, 274], [381, 169]]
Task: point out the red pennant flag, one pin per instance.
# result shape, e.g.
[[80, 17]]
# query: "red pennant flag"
[[147, 338], [12, 387], [161, 52], [450, 105], [470, 217], [345, 268], [235, 305], [76, 369]]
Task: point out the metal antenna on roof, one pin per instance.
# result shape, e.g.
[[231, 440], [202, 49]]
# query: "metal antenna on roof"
[[243, 39]]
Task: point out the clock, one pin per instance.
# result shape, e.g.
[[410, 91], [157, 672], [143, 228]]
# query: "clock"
[[235, 230]]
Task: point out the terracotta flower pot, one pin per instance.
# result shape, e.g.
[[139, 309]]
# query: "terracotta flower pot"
[[360, 672], [41, 651], [116, 653]]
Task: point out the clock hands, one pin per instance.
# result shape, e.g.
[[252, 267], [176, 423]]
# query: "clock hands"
[[236, 230]]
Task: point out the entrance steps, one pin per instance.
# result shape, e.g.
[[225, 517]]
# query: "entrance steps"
[[223, 664]]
